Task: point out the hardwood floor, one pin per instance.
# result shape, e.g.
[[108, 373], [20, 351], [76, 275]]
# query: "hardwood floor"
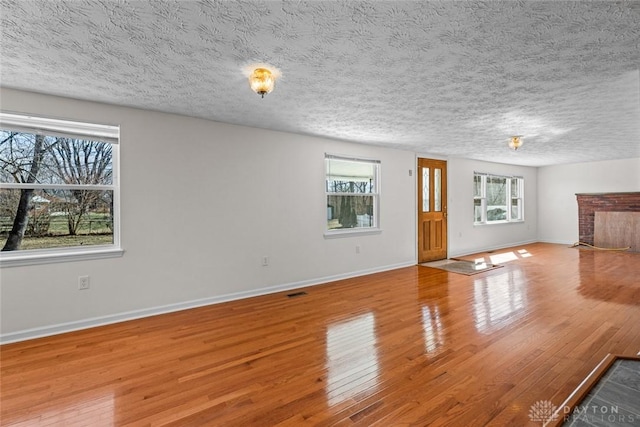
[[413, 346]]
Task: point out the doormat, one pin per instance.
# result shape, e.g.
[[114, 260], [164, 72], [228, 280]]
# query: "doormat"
[[467, 268]]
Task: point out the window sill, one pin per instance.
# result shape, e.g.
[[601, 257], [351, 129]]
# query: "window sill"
[[48, 257], [481, 224], [349, 232]]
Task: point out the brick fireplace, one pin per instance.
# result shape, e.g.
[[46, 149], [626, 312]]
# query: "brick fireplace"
[[590, 203]]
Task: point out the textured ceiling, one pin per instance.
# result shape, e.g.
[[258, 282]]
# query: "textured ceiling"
[[445, 78]]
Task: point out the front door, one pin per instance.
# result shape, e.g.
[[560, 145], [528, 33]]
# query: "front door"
[[432, 210]]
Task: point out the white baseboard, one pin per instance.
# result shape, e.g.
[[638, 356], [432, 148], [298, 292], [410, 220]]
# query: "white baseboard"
[[559, 242], [93, 322]]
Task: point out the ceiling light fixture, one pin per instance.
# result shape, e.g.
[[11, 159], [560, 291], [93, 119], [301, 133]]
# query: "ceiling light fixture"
[[515, 142], [262, 81]]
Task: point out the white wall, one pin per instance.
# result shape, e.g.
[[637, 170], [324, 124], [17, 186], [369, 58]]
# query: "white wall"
[[466, 238], [202, 202], [558, 185]]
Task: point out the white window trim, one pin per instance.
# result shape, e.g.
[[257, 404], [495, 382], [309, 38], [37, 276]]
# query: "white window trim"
[[483, 199], [49, 256], [349, 232], [57, 127], [339, 233]]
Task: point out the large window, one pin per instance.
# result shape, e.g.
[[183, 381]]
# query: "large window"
[[351, 187], [497, 199], [58, 188]]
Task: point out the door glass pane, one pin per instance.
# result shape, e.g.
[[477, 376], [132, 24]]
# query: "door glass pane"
[[437, 190], [425, 189]]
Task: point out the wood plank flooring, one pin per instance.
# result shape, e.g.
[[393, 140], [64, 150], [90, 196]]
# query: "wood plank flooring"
[[414, 346]]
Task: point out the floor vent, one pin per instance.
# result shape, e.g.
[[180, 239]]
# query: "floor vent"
[[296, 294]]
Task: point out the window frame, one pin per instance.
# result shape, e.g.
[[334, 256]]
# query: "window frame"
[[509, 198], [345, 232], [33, 124]]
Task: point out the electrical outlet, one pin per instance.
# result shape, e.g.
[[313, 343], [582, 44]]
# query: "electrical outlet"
[[265, 261], [83, 282], [357, 249]]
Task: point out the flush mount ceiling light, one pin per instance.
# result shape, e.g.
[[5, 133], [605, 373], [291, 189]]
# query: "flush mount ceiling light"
[[515, 142], [262, 81]]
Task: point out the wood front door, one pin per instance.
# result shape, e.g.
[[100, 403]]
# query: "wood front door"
[[432, 210]]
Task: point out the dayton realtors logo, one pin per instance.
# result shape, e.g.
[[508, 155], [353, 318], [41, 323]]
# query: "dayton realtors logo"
[[545, 411]]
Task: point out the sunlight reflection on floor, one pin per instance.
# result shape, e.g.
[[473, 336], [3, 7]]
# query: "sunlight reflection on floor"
[[352, 358], [498, 300], [504, 257]]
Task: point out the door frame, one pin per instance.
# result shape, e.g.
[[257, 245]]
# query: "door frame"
[[443, 251]]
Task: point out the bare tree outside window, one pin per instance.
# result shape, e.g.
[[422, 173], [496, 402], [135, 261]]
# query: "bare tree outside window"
[[21, 159], [497, 198], [351, 187], [68, 200], [77, 161]]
